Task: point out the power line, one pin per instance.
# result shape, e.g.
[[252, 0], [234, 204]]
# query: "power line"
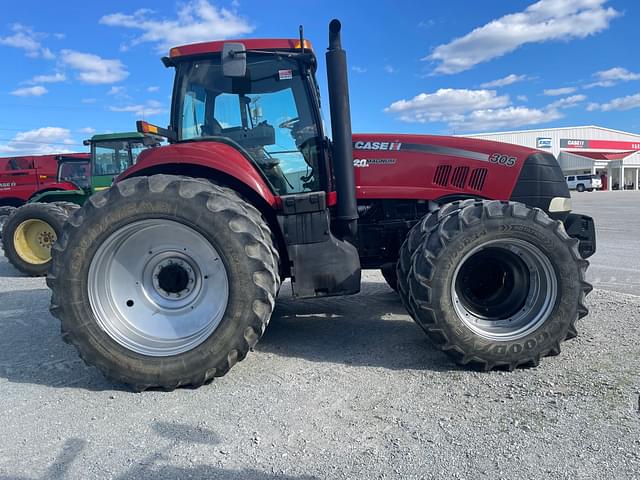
[[27, 142]]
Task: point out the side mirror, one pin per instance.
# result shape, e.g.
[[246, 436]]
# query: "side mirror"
[[234, 60]]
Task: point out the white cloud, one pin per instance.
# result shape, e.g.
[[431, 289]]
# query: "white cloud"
[[153, 89], [620, 103], [542, 21], [94, 69], [510, 117], [25, 38], [508, 80], [358, 69], [613, 76], [54, 78], [568, 102], [554, 92], [40, 141], [88, 100], [152, 107], [474, 110], [446, 104], [522, 98], [87, 130], [35, 91], [389, 69], [197, 21]]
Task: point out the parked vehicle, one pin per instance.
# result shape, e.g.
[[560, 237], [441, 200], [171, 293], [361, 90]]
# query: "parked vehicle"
[[581, 183], [170, 277], [21, 178], [30, 230]]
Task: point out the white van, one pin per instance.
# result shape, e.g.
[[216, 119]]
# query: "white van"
[[584, 182]]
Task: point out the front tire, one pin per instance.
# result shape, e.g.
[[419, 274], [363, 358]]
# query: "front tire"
[[29, 234], [164, 281], [497, 284]]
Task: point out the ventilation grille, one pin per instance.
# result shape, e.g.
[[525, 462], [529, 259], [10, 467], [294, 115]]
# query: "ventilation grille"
[[459, 176], [477, 178], [442, 175]]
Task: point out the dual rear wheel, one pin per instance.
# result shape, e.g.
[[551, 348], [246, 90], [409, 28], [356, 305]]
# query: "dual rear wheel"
[[494, 284]]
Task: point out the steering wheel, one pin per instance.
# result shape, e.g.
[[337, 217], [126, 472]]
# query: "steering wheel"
[[289, 123]]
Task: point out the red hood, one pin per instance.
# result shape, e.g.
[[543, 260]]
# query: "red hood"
[[429, 167]]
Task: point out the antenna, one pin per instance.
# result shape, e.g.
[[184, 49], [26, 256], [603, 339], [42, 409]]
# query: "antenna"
[[301, 30]]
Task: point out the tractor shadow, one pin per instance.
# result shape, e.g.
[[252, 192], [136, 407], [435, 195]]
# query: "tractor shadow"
[[370, 329], [32, 350], [170, 438]]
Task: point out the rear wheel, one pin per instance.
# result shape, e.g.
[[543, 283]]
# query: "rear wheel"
[[497, 284], [164, 281], [4, 215], [29, 234], [580, 187]]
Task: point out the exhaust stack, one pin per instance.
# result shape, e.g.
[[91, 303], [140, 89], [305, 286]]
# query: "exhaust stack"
[[347, 212]]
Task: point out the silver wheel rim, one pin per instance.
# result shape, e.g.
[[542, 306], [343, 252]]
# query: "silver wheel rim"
[[533, 305], [158, 287]]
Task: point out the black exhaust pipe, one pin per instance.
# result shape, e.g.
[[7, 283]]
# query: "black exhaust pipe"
[[347, 211]]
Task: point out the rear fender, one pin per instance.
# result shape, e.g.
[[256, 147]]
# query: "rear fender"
[[194, 158]]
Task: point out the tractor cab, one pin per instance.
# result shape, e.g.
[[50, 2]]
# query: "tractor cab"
[[112, 154], [74, 170], [268, 108]]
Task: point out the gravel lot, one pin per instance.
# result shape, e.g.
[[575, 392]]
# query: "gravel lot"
[[339, 388]]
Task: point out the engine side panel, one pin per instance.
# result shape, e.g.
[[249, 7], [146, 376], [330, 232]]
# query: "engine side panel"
[[424, 167]]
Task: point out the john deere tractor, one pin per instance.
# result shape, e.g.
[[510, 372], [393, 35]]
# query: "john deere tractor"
[[30, 231], [170, 277]]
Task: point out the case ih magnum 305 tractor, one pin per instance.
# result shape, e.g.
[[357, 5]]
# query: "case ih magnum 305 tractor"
[[170, 277], [30, 230]]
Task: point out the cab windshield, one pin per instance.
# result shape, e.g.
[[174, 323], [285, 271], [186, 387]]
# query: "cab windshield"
[[267, 114], [115, 156]]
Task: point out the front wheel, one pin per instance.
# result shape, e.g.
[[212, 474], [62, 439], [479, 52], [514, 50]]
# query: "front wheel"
[[497, 284], [164, 281]]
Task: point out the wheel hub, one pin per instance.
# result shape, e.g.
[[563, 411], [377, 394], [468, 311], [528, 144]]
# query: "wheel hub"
[[503, 290]]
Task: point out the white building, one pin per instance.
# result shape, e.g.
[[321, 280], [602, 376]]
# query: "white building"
[[612, 154]]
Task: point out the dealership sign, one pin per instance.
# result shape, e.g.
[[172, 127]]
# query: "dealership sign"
[[599, 144], [543, 142]]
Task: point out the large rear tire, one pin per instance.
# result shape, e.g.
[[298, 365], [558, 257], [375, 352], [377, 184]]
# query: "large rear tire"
[[164, 281], [496, 284], [29, 234]]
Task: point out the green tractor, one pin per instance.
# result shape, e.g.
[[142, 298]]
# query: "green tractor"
[[30, 231]]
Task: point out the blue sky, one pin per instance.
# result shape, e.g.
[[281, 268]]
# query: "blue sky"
[[73, 68]]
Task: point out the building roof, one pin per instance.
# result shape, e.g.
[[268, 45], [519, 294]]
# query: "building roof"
[[552, 128]]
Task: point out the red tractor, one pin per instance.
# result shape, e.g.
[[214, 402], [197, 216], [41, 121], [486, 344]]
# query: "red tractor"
[[170, 277], [23, 178]]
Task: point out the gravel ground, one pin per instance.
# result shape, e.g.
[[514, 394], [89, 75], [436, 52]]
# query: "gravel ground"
[[337, 388]]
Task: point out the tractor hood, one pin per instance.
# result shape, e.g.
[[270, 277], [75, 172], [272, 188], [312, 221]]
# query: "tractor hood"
[[427, 167]]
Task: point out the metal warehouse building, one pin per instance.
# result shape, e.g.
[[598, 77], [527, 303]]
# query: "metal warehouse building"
[[611, 154]]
